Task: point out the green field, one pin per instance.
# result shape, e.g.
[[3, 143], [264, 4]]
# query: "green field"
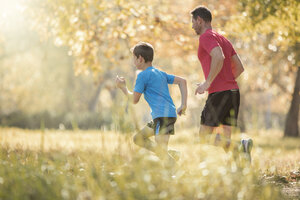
[[107, 165]]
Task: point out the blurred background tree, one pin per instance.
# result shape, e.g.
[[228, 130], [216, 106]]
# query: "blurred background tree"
[[273, 28], [99, 35], [59, 59]]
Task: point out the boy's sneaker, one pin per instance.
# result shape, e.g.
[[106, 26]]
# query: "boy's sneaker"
[[175, 154], [246, 147]]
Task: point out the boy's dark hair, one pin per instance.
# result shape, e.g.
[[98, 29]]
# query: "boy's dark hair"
[[202, 12], [145, 50]]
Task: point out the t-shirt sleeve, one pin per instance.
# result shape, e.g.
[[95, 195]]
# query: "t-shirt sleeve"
[[140, 84], [170, 78], [208, 42], [233, 52]]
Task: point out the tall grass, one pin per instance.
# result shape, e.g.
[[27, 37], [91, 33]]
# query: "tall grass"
[[107, 165]]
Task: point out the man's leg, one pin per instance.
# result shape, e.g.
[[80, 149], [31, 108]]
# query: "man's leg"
[[227, 113], [244, 146], [224, 139], [227, 137], [205, 133], [142, 139], [219, 140]]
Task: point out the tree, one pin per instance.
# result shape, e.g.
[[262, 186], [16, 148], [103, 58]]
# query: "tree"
[[291, 126], [99, 34], [276, 22]]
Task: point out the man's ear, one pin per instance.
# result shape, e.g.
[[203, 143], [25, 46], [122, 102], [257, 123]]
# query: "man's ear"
[[199, 20]]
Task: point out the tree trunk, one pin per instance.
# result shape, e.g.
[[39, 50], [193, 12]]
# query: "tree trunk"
[[94, 101], [291, 124], [68, 99]]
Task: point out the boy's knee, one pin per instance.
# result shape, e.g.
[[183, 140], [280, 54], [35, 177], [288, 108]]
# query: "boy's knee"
[[134, 138], [137, 139]]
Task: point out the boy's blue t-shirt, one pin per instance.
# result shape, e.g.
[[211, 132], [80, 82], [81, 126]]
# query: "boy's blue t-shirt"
[[154, 84]]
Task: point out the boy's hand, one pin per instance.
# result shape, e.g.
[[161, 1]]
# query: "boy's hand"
[[181, 110], [120, 82]]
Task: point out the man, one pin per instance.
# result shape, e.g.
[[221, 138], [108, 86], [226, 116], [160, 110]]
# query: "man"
[[221, 66]]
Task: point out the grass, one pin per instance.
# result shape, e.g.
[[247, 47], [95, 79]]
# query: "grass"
[[107, 165]]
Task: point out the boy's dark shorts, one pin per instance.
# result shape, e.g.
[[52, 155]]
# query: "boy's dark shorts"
[[221, 108], [163, 125]]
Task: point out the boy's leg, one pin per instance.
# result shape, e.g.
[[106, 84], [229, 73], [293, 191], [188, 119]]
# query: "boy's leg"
[[142, 139], [162, 149], [174, 153], [162, 144], [164, 129]]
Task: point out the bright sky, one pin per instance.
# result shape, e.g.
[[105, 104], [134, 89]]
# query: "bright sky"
[[10, 12]]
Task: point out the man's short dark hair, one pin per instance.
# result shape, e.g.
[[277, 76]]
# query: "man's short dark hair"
[[202, 12], [145, 50]]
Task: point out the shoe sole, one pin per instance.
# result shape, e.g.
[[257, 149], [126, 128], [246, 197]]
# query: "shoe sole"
[[248, 147]]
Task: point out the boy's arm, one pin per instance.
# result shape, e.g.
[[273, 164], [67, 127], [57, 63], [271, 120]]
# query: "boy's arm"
[[133, 97], [181, 82], [236, 65]]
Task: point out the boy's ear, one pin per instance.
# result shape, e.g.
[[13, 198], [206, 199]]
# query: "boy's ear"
[[141, 59]]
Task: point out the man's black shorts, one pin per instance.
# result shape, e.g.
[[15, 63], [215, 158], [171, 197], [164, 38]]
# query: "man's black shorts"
[[163, 125], [221, 108]]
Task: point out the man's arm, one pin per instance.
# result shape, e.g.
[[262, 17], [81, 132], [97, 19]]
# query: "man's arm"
[[181, 82], [217, 60], [236, 66], [133, 97]]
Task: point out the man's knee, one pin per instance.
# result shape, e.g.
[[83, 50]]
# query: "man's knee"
[[205, 134]]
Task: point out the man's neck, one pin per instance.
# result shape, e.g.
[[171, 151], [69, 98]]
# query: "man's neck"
[[207, 26], [146, 65]]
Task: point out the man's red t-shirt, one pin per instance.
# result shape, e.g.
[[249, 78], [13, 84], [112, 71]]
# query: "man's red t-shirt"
[[225, 79]]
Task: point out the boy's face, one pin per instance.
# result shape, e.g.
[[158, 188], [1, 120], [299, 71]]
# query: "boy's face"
[[138, 61]]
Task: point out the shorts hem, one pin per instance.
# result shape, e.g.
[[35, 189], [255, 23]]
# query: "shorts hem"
[[211, 125], [216, 125]]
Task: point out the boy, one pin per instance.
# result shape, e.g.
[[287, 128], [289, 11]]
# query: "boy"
[[153, 83]]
